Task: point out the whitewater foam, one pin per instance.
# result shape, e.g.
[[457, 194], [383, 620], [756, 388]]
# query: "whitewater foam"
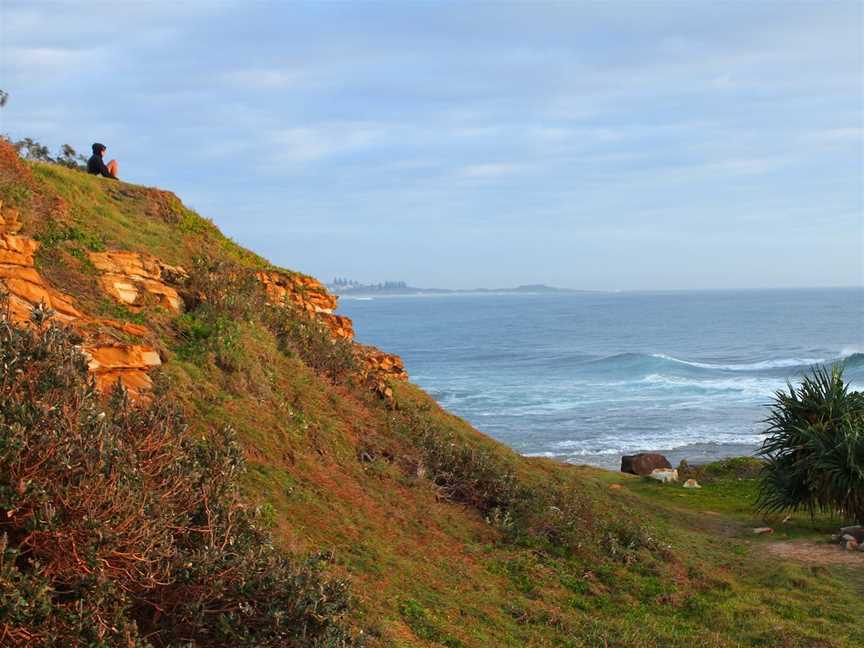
[[781, 363]]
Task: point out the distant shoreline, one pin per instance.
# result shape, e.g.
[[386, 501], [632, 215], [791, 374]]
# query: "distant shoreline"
[[411, 291]]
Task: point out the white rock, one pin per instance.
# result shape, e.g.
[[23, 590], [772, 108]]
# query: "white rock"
[[691, 483], [665, 475], [762, 530]]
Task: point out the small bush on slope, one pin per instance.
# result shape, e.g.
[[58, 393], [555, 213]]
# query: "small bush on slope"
[[220, 297], [561, 520], [814, 452], [463, 473], [117, 529], [313, 343]]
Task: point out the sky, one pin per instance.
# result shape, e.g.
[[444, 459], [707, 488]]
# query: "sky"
[[611, 146]]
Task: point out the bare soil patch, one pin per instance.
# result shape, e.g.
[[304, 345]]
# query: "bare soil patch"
[[816, 553]]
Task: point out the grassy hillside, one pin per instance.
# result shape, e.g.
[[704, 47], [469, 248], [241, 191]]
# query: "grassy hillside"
[[447, 537]]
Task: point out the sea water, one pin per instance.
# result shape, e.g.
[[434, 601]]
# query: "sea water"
[[586, 377]]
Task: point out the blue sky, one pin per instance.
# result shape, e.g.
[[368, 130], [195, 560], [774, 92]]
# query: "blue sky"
[[589, 145]]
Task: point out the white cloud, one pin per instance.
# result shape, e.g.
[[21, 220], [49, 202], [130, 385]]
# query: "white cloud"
[[50, 60], [853, 135], [749, 166], [312, 143], [489, 170], [263, 78]]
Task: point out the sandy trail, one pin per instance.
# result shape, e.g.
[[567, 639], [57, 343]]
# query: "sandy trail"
[[816, 553]]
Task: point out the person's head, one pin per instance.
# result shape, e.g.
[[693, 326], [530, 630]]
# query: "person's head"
[[99, 149]]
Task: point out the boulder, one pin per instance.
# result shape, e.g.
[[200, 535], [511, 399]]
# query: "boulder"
[[665, 475], [643, 463], [854, 532], [691, 483]]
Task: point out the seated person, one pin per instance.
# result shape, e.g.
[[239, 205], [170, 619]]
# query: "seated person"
[[97, 166]]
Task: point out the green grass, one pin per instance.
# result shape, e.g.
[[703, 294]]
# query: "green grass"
[[732, 499]]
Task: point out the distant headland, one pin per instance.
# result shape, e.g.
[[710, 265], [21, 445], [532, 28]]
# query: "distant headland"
[[348, 287]]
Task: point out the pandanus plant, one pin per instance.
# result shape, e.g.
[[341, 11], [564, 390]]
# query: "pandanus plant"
[[814, 448]]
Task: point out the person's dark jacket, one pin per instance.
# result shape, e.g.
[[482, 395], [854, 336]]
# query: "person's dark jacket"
[[96, 165]]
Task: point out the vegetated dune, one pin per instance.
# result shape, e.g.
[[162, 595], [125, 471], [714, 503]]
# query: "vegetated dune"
[[444, 536]]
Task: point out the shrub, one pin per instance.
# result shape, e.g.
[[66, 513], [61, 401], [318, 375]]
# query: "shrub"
[[561, 519], [207, 334], [227, 288], [55, 233], [118, 528], [220, 296], [464, 472], [814, 450], [313, 343]]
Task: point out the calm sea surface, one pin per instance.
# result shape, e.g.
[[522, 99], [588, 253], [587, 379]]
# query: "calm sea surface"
[[585, 377]]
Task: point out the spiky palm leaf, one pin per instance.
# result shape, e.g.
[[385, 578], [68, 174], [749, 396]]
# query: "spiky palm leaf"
[[814, 450]]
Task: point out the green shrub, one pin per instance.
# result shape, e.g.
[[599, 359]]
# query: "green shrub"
[[220, 297], [464, 472], [205, 334], [54, 233], [560, 520], [814, 450], [313, 343], [118, 528], [226, 288]]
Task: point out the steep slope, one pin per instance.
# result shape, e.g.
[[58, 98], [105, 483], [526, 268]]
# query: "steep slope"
[[447, 537]]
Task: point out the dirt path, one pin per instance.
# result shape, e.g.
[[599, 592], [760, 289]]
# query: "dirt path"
[[816, 553]]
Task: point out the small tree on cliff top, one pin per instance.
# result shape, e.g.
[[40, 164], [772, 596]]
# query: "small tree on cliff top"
[[814, 450]]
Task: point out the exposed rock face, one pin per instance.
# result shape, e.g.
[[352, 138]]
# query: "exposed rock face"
[[379, 368], [18, 275], [383, 364], [129, 276], [306, 293], [339, 325], [107, 361], [127, 363], [643, 463], [311, 297]]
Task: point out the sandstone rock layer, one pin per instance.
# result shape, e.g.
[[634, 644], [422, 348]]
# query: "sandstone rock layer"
[[311, 297], [304, 292], [130, 276], [24, 285], [108, 362], [127, 363]]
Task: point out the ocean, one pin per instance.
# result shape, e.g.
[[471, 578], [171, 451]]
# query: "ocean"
[[587, 377]]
